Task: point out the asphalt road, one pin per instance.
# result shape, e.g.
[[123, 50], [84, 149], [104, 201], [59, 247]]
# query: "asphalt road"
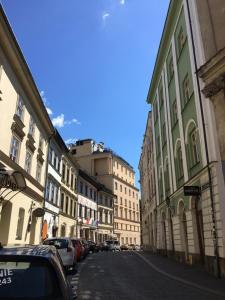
[[124, 275]]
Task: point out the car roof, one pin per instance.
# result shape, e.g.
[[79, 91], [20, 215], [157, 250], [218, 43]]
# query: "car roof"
[[58, 238], [29, 250]]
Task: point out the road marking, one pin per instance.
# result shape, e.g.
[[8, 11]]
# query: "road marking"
[[195, 285]]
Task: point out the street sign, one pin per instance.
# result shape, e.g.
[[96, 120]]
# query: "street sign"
[[192, 190]]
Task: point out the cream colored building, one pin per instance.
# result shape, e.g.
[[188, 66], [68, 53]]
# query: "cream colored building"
[[118, 176], [68, 199], [148, 190], [25, 129]]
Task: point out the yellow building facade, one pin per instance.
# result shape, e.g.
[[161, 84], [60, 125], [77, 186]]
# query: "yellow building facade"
[[25, 129]]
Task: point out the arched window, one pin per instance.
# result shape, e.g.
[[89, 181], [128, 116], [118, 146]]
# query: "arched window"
[[20, 221], [194, 152]]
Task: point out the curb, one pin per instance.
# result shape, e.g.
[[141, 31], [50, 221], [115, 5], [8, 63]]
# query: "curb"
[[184, 281]]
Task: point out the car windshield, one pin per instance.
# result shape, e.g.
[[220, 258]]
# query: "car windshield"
[[28, 280], [58, 243]]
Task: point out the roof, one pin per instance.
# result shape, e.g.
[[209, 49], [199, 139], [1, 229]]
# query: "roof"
[[174, 7], [28, 250]]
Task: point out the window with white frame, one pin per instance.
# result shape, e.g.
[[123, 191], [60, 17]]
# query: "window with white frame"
[[20, 107], [14, 149], [194, 147], [41, 141], [31, 126], [28, 161], [186, 89], [20, 222], [180, 163], [38, 171], [181, 40]]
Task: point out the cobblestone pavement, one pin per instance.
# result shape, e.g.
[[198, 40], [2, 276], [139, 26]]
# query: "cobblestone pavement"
[[127, 275]]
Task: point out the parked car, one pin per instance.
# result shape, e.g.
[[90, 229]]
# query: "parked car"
[[66, 250], [123, 247], [113, 245], [104, 247], [33, 272], [93, 247], [131, 247], [86, 247], [79, 248]]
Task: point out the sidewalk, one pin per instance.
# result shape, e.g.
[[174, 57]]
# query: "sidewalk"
[[195, 275]]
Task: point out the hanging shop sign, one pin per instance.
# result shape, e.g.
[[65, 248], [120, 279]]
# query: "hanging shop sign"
[[13, 180], [39, 212], [192, 191]]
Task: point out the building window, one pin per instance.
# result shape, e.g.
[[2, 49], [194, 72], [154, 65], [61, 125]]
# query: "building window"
[[86, 190], [121, 212], [125, 190], [38, 172], [186, 89], [28, 160], [63, 171], [121, 201], [31, 126], [194, 147], [20, 107], [81, 187], [158, 146], [41, 141], [68, 176], [171, 68], [62, 202], [14, 149], [67, 205], [164, 133], [174, 112], [116, 212], [161, 97], [181, 40], [71, 207], [116, 185], [72, 181], [19, 230], [121, 188], [180, 163], [133, 194]]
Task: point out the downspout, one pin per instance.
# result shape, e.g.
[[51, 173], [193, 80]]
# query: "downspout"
[[215, 236]]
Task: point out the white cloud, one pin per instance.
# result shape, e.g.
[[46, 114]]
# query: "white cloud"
[[122, 2], [49, 111], [105, 15], [70, 141], [58, 121]]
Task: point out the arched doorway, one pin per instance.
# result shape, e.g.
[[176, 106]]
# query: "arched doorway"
[[200, 228], [63, 230], [170, 229], [164, 237], [5, 218], [183, 230]]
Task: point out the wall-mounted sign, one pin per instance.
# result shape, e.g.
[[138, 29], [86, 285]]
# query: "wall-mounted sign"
[[39, 212], [192, 190]]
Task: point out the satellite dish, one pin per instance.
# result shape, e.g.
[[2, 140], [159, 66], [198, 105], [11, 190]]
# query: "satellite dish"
[[38, 212]]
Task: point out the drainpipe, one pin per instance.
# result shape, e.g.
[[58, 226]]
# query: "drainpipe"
[[215, 236]]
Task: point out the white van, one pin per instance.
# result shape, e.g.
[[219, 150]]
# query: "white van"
[[113, 245]]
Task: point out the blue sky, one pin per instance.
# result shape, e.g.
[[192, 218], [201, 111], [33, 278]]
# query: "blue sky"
[[92, 61]]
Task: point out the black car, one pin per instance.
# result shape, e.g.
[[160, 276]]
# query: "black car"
[[33, 272]]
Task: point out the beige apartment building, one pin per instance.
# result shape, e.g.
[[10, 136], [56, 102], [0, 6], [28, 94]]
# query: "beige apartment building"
[[25, 130], [148, 189], [68, 199], [118, 176]]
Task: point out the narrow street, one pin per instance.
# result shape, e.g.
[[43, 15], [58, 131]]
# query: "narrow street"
[[125, 275]]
